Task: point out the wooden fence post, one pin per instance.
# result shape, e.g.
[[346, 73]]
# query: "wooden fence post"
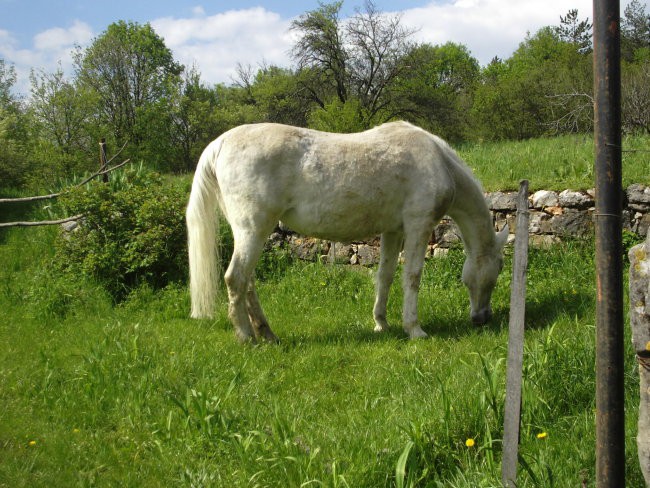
[[640, 324], [514, 365], [102, 159]]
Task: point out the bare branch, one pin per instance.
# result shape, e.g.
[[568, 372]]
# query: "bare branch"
[[103, 172], [54, 195], [41, 222]]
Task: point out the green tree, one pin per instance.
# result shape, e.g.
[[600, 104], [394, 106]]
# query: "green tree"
[[63, 116], [378, 43], [193, 120], [13, 132], [543, 88], [320, 52], [575, 31], [135, 78], [437, 90], [635, 30], [358, 61], [337, 116], [635, 94], [277, 93]]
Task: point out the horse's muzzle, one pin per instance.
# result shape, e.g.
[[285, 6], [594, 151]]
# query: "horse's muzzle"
[[482, 317]]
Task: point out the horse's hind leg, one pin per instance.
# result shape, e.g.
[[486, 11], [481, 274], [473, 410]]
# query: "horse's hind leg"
[[390, 247], [256, 315], [415, 246], [248, 248]]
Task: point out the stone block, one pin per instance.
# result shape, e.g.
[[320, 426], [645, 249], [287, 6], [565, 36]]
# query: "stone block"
[[501, 201], [368, 255], [572, 223], [575, 199], [544, 198], [638, 194]]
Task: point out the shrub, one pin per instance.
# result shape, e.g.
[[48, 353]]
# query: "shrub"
[[131, 235]]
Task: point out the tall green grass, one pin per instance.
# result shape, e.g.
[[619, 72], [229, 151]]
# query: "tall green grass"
[[554, 163], [139, 395]]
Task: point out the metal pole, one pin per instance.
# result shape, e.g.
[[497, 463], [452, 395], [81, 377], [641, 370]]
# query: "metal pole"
[[610, 428]]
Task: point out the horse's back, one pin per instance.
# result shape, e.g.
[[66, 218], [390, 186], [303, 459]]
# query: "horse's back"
[[342, 186]]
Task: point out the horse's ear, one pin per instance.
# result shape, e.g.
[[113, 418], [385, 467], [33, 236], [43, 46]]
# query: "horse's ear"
[[502, 237]]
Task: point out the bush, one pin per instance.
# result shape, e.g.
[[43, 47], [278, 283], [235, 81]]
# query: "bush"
[[131, 235]]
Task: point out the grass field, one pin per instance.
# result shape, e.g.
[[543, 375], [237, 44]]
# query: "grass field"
[[94, 394], [136, 394], [551, 164]]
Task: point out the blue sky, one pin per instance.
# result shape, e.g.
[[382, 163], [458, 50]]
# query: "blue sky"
[[216, 35]]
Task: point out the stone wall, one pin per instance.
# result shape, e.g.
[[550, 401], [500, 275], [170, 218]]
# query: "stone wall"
[[553, 216]]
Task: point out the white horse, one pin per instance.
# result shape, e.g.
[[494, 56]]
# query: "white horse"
[[396, 180]]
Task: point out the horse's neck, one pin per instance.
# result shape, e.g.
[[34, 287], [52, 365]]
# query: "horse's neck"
[[471, 213]]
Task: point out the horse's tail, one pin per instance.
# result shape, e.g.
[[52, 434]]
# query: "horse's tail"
[[203, 234]]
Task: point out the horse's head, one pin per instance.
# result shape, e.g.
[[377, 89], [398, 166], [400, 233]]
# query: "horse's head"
[[480, 275]]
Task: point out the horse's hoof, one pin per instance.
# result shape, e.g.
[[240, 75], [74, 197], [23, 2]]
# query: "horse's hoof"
[[417, 333], [380, 328], [270, 337], [264, 333], [245, 338]]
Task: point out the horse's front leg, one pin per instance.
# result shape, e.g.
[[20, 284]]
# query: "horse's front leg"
[[415, 247], [256, 315], [390, 247]]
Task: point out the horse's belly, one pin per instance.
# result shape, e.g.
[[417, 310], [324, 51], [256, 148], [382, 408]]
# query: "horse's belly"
[[343, 220]]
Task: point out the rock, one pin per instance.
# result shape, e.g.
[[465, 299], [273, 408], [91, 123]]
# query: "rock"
[[500, 219], [305, 248], [440, 252], [446, 233], [554, 210], [628, 220], [502, 201], [639, 286], [342, 252], [70, 226], [643, 225], [575, 199], [543, 241], [539, 223], [544, 198], [572, 223], [368, 255], [638, 194]]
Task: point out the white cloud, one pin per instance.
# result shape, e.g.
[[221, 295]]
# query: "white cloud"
[[199, 11], [216, 43], [488, 27], [50, 49], [58, 38]]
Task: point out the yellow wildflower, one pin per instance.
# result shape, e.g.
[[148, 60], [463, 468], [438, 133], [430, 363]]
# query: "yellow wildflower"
[[470, 442], [542, 435], [32, 443]]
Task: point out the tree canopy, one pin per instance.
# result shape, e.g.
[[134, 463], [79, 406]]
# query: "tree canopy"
[[347, 75]]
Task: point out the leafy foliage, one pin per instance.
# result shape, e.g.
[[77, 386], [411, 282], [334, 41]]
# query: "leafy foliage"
[[348, 74], [13, 163], [128, 236], [134, 76]]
